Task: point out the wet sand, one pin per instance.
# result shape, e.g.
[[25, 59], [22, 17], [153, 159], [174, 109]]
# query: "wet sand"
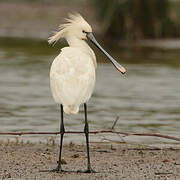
[[25, 161]]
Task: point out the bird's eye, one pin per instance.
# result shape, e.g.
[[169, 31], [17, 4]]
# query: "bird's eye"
[[83, 31]]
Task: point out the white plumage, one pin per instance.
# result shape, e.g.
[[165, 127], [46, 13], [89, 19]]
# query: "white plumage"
[[72, 74], [72, 78]]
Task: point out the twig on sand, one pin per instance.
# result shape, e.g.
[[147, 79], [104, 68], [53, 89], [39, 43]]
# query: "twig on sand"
[[94, 132], [115, 122], [163, 173]]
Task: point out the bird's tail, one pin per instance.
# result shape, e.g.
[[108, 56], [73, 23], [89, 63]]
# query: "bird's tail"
[[71, 109]]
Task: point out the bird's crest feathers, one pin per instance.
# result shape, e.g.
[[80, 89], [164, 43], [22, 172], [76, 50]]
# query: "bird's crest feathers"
[[74, 20]]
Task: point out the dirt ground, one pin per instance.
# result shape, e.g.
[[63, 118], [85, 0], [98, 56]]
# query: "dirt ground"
[[25, 161]]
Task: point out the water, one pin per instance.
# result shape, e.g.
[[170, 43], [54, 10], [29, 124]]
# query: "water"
[[146, 99]]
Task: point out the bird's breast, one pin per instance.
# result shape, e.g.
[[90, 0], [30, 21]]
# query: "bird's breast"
[[73, 67], [72, 78]]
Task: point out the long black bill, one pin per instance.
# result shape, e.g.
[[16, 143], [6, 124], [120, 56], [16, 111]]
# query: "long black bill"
[[113, 61]]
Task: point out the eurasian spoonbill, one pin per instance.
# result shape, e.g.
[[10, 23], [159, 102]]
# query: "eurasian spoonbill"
[[72, 74]]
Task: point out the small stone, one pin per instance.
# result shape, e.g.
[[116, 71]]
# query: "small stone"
[[140, 152], [75, 155], [165, 160], [177, 163]]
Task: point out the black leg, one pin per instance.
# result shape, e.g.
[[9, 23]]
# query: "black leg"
[[86, 131], [62, 131]]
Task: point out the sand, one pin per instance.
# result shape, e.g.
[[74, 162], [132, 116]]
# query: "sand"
[[26, 161]]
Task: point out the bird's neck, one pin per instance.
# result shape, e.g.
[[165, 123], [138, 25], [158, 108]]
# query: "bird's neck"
[[81, 44]]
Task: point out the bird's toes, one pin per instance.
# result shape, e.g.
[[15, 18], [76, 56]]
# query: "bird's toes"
[[89, 170]]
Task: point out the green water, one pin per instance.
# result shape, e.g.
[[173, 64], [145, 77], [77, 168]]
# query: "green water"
[[147, 98]]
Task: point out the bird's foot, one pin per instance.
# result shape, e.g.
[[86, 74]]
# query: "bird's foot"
[[58, 170], [89, 170]]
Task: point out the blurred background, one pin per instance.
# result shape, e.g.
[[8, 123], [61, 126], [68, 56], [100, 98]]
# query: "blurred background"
[[143, 35]]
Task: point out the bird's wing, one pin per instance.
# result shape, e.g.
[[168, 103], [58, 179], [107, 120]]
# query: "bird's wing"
[[72, 77]]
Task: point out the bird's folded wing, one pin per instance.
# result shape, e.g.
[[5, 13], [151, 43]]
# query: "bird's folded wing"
[[72, 77]]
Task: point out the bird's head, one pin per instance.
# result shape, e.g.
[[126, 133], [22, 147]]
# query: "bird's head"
[[76, 27]]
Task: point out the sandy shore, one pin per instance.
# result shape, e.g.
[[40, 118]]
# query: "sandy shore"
[[25, 161]]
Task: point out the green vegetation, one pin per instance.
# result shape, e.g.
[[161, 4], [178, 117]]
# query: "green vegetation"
[[139, 19]]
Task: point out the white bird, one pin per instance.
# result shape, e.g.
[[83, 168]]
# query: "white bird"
[[72, 74]]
